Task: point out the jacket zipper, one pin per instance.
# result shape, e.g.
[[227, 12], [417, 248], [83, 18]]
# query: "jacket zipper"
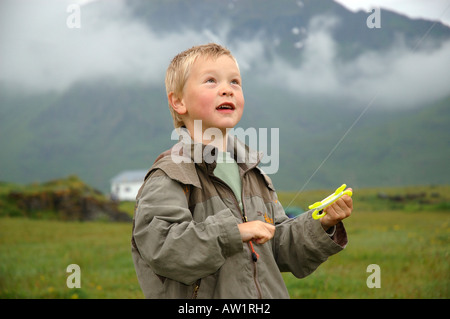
[[255, 256], [196, 288]]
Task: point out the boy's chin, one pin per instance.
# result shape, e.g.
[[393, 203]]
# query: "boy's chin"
[[222, 125], [227, 125], [226, 128]]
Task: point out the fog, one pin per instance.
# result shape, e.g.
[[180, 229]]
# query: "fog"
[[40, 53], [400, 77]]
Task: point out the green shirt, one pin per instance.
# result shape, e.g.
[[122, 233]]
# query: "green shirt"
[[228, 171]]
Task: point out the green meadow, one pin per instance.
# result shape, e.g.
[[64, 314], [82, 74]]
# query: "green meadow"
[[407, 239]]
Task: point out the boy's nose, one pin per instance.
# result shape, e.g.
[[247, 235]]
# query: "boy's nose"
[[226, 91]]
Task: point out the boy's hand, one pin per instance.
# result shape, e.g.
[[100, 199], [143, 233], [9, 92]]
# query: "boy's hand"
[[256, 231], [337, 211]]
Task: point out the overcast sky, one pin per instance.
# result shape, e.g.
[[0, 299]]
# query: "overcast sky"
[[427, 9], [38, 52]]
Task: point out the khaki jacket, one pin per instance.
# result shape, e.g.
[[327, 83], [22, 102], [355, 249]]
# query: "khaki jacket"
[[185, 239]]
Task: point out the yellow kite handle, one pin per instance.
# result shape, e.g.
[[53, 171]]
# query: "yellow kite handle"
[[316, 214], [319, 206]]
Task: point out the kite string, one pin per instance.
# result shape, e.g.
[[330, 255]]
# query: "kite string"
[[368, 106]]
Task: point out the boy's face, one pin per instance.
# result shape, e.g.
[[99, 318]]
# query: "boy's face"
[[212, 94]]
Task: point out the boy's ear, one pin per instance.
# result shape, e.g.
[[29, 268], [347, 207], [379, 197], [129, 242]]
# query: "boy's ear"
[[177, 103]]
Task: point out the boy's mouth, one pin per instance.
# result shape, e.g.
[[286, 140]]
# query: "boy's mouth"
[[226, 107]]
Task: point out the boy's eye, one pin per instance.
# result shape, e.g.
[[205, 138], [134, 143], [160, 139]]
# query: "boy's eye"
[[211, 81], [236, 82]]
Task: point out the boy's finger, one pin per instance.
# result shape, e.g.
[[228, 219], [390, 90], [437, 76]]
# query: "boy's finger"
[[343, 204], [338, 210], [331, 212], [270, 227], [348, 201], [263, 237]]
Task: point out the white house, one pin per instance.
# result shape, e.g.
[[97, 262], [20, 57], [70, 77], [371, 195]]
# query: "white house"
[[125, 186]]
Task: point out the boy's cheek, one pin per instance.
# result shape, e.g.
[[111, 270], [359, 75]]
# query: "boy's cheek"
[[241, 101]]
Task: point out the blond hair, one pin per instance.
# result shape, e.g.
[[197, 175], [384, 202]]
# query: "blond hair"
[[179, 68]]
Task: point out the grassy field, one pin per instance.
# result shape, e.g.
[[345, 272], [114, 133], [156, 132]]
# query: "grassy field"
[[35, 254], [409, 243], [411, 248]]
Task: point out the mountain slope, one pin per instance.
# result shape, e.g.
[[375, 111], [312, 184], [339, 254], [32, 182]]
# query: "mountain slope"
[[403, 148], [101, 126]]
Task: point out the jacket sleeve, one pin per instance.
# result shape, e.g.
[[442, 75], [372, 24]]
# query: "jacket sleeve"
[[301, 244], [171, 242]]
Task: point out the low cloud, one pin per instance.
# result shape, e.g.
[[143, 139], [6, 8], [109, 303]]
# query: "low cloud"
[[39, 53], [400, 77]]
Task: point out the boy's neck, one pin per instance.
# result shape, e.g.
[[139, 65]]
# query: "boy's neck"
[[210, 136], [217, 141]]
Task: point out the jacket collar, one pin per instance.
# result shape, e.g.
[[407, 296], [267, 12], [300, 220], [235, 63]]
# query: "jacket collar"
[[205, 156]]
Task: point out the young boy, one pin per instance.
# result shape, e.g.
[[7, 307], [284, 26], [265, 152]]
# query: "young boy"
[[208, 223]]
